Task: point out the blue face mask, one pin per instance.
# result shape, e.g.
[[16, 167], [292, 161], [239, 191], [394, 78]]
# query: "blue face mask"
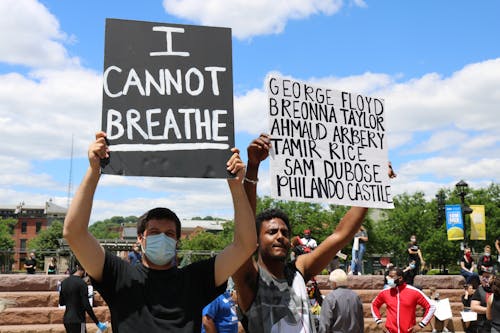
[[160, 249], [391, 283]]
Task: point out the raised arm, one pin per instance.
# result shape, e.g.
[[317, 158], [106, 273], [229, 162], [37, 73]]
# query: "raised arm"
[[257, 151], [245, 236], [489, 304], [310, 264], [86, 248], [245, 278]]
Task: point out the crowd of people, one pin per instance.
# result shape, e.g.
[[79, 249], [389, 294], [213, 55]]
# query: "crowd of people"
[[149, 292]]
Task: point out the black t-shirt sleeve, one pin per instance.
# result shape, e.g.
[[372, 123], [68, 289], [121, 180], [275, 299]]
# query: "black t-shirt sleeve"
[[202, 276], [476, 296], [113, 273]]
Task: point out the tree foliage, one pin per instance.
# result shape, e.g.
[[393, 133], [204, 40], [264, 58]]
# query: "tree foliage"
[[47, 239], [6, 232], [110, 228]]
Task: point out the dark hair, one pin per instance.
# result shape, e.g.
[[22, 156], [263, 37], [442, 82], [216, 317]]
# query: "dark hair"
[[158, 213], [399, 271], [269, 214]]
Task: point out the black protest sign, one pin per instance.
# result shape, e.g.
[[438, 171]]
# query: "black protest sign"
[[167, 99], [328, 146]]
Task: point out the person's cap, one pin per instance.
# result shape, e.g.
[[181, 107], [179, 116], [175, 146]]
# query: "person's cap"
[[338, 276]]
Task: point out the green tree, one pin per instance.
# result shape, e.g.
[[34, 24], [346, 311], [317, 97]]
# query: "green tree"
[[6, 243], [202, 241], [412, 214], [315, 217], [47, 239], [110, 228], [6, 232]]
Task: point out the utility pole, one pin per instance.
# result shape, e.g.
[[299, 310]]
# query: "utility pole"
[[70, 180]]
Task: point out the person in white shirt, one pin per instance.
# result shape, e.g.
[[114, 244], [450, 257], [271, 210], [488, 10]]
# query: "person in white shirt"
[[308, 241]]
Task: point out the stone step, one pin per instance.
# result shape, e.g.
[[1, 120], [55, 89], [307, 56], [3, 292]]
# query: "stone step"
[[28, 282], [38, 298], [40, 282], [44, 315], [47, 328], [367, 296], [456, 308], [376, 282], [454, 325]]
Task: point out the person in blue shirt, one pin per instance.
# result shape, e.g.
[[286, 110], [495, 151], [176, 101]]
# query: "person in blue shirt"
[[220, 315], [134, 256]]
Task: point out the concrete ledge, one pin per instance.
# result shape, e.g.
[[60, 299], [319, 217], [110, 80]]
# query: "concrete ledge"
[[39, 298], [51, 328], [367, 282], [44, 315], [27, 282]]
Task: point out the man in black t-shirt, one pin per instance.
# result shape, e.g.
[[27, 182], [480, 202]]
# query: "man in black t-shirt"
[[30, 264], [74, 295], [156, 296], [478, 303]]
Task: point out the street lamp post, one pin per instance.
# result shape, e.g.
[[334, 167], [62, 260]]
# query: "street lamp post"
[[461, 187]]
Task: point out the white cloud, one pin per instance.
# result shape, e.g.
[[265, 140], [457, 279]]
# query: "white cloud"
[[31, 36], [40, 113], [251, 18], [440, 141], [452, 167], [469, 99]]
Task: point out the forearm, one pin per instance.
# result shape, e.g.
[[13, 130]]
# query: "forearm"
[[209, 325], [244, 219], [78, 216], [245, 237], [252, 173], [476, 307], [83, 244]]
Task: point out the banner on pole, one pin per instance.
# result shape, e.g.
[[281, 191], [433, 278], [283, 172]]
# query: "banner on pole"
[[454, 222], [477, 223]]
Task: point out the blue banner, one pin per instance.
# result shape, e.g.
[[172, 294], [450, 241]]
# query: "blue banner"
[[454, 222]]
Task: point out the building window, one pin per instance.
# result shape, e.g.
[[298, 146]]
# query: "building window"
[[24, 227], [38, 227], [22, 244]]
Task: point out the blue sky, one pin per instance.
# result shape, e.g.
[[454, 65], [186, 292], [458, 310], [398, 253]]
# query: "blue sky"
[[436, 64]]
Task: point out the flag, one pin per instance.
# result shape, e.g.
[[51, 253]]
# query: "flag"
[[454, 222], [477, 223]]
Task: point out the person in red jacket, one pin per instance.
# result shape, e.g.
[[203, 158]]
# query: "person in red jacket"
[[401, 300]]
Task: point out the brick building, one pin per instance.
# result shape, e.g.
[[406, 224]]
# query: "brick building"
[[31, 219]]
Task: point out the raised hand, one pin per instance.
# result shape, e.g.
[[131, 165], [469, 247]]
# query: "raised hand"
[[98, 150], [258, 150]]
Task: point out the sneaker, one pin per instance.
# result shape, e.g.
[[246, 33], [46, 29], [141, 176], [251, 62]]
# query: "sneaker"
[[446, 329], [434, 330], [359, 273]]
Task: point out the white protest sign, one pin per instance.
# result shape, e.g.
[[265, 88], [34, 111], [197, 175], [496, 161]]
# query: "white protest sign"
[[468, 316], [443, 309], [328, 146]]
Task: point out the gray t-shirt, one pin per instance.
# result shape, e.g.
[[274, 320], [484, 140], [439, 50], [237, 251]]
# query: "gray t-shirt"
[[341, 311], [280, 305]]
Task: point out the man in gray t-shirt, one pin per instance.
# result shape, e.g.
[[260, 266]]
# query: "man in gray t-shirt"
[[342, 310]]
